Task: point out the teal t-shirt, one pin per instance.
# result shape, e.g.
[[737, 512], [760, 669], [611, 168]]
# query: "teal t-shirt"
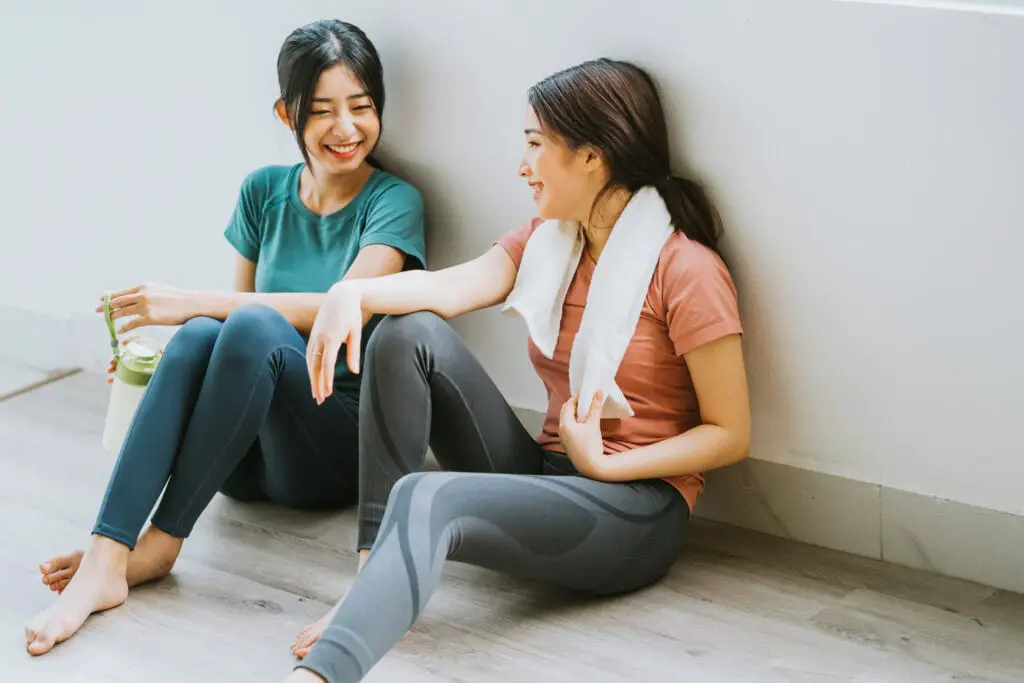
[[296, 250]]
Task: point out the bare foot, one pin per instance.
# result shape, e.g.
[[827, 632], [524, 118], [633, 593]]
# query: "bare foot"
[[309, 635], [153, 558], [98, 584], [303, 676]]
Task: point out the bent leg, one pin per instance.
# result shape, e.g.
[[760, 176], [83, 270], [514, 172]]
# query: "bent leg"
[[251, 392], [423, 386], [585, 535], [152, 443]]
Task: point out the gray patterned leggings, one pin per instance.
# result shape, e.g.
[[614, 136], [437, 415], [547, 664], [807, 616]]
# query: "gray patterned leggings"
[[504, 503]]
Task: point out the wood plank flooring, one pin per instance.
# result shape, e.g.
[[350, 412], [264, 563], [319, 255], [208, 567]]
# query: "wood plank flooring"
[[737, 607]]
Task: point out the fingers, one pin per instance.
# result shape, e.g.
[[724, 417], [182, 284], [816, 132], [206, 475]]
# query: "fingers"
[[569, 409], [128, 308], [314, 357], [596, 405], [355, 342], [328, 362], [115, 296], [140, 321], [124, 292]]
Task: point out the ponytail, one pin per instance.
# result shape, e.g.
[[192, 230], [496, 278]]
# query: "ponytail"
[[692, 211]]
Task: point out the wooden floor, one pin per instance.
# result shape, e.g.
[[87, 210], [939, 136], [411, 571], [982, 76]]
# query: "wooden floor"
[[737, 607]]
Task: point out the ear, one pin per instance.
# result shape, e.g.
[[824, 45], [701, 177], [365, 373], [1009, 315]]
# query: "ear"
[[282, 114], [592, 159]]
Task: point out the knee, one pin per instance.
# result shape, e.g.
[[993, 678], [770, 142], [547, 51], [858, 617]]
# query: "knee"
[[407, 500], [193, 342], [396, 335], [252, 319], [252, 327]]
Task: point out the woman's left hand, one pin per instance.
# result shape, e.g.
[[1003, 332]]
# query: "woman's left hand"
[[582, 439], [150, 304]]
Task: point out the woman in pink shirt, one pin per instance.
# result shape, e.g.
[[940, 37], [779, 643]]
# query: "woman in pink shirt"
[[593, 505]]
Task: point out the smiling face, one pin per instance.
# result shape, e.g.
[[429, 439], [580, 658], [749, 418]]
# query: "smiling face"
[[565, 182], [343, 126]]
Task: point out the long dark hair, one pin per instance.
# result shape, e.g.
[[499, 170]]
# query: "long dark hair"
[[311, 49], [615, 107]]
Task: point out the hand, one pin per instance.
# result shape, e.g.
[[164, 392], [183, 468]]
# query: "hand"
[[151, 304], [339, 321], [582, 439], [112, 368]]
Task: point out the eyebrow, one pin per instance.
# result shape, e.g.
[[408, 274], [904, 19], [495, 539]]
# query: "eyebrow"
[[328, 100], [532, 130]]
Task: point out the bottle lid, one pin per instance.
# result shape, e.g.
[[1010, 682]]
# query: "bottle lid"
[[138, 361]]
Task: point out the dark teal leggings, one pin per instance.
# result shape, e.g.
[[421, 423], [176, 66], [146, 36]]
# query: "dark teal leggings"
[[230, 409]]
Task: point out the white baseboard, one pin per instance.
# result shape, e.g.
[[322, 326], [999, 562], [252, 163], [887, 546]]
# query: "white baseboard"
[[37, 340], [941, 536], [52, 343]]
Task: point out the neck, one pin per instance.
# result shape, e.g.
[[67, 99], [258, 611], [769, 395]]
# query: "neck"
[[324, 192], [599, 225]]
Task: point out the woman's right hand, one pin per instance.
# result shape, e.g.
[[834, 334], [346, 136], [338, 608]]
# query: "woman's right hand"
[[339, 321]]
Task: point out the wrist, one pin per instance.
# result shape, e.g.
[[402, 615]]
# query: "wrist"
[[350, 291], [197, 304]]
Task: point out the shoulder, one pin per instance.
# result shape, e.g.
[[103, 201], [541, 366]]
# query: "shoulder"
[[268, 182], [694, 294], [684, 261], [514, 241], [384, 189]]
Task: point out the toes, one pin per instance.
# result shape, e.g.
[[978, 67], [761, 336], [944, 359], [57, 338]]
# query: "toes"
[[44, 641], [56, 562], [35, 626], [59, 575], [301, 638], [306, 639]]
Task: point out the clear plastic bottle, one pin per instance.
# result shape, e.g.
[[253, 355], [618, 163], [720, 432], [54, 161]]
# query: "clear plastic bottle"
[[136, 363]]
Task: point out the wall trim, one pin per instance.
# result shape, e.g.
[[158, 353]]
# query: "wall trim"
[[901, 527]]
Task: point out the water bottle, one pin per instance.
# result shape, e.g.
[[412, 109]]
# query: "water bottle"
[[135, 363]]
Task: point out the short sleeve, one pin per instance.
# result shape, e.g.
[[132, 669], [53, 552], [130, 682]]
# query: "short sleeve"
[[514, 241], [395, 219], [244, 230], [700, 297]]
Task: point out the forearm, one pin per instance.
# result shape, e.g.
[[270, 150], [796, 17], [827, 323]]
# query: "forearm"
[[299, 309], [402, 293], [705, 447]]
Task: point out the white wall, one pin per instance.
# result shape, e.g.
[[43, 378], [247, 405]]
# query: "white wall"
[[867, 158]]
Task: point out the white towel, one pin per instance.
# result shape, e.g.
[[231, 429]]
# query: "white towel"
[[614, 302]]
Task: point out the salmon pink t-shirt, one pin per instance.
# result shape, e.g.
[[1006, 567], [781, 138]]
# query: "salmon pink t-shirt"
[[691, 301]]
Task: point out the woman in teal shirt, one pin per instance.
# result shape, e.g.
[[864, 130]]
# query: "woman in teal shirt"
[[230, 408]]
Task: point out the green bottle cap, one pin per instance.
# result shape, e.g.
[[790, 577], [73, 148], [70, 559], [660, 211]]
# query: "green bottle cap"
[[137, 361]]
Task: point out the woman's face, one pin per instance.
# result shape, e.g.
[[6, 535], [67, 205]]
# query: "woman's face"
[[343, 126], [564, 182]]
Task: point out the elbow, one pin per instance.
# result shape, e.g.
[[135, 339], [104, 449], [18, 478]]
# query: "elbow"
[[740, 450]]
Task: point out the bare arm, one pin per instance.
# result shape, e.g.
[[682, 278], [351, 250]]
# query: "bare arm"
[[470, 286], [160, 305], [300, 309], [245, 274], [723, 438], [480, 283]]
